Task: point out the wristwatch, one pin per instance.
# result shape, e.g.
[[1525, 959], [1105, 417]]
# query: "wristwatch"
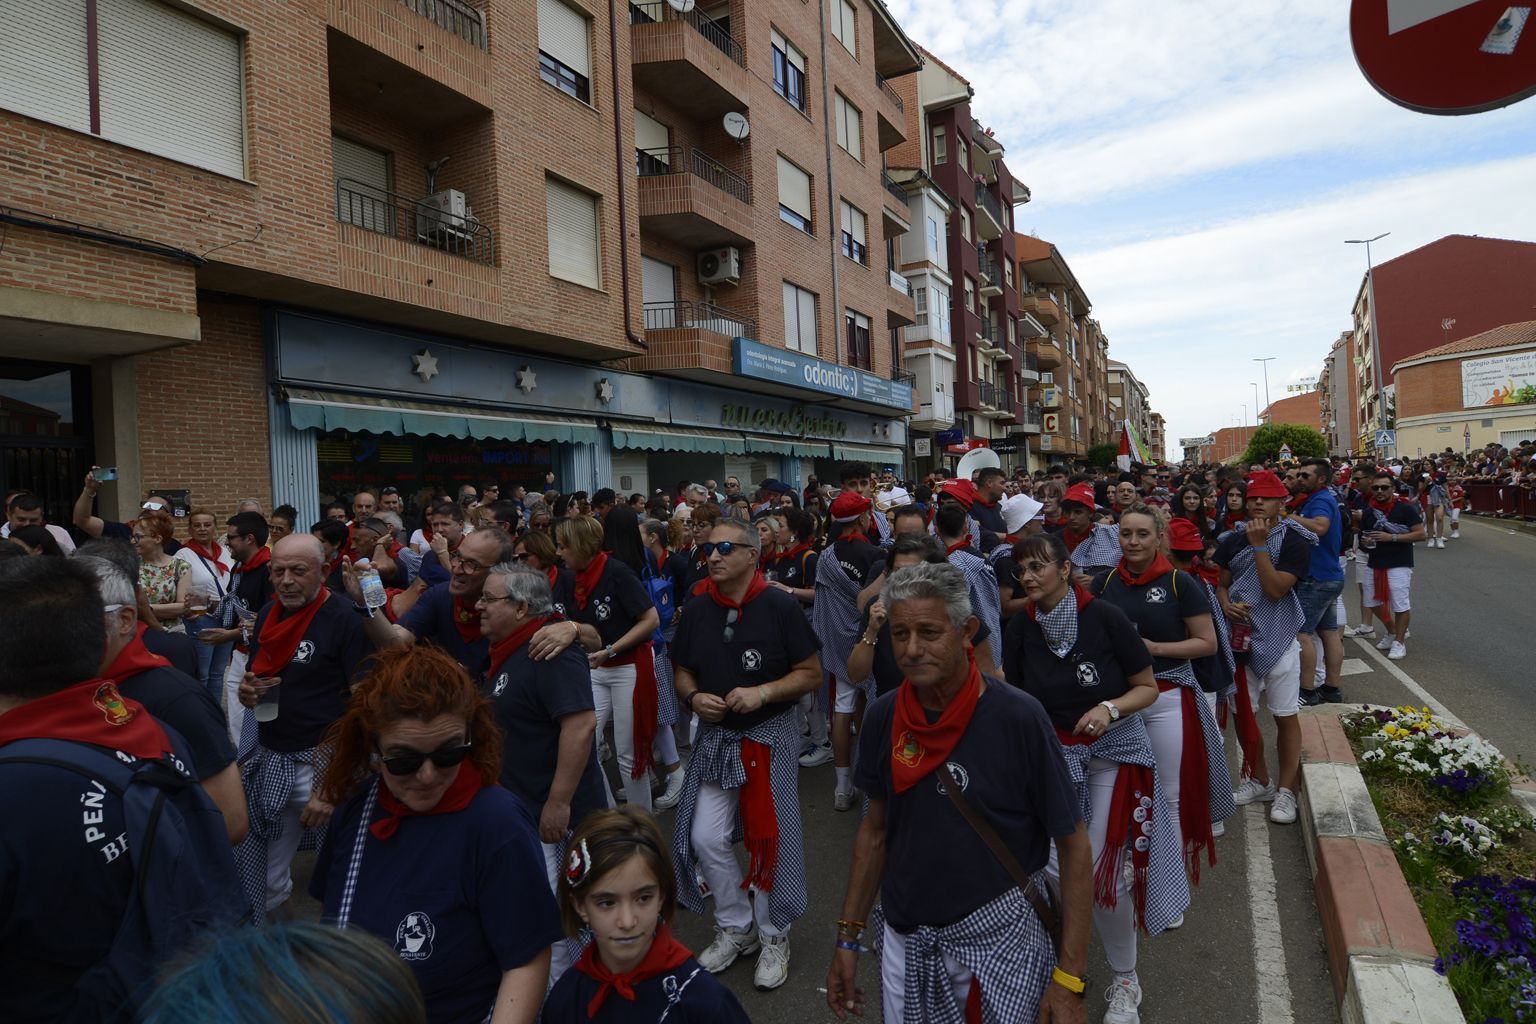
[[611, 652], [1114, 712]]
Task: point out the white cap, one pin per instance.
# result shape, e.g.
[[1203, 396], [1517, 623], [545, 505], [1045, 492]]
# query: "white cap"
[[1018, 510]]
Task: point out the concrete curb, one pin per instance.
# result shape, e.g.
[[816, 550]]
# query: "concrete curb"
[[1380, 953]]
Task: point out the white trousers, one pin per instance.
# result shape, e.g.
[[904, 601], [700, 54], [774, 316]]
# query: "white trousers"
[[280, 851], [893, 976], [808, 710], [233, 710], [613, 692], [1165, 728], [560, 953], [1117, 927], [714, 819]]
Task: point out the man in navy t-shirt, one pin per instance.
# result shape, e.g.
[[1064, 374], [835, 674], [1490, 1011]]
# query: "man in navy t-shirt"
[[1319, 592], [1389, 527]]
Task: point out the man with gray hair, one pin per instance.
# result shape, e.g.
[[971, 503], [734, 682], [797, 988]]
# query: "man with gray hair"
[[546, 715], [966, 794], [692, 497]]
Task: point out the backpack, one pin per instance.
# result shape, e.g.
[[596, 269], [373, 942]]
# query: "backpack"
[[659, 590], [184, 878]]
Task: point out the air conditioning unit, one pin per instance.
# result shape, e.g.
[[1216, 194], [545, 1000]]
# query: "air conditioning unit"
[[443, 215], [720, 266]]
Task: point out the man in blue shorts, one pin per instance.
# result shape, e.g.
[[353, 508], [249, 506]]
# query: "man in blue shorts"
[[1319, 592]]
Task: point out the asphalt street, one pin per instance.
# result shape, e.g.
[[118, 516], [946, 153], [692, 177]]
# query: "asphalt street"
[[1251, 949]]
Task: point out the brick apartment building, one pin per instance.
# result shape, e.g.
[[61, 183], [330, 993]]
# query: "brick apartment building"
[[1230, 443], [1454, 287], [1128, 401], [1303, 410], [288, 250], [1337, 389], [1469, 393], [1157, 436]]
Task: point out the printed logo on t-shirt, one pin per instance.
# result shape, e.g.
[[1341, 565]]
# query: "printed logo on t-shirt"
[[305, 652], [602, 610], [413, 937], [961, 776], [560, 608], [1087, 674], [751, 660], [1156, 595], [500, 685]]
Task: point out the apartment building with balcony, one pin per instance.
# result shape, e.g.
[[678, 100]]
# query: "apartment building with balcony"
[[966, 347], [1071, 351], [1129, 401], [1336, 392], [1157, 436], [292, 250]]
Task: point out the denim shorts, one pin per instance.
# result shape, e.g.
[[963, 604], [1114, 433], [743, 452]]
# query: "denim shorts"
[[1317, 599]]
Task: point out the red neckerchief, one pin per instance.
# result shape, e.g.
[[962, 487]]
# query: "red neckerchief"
[[504, 649], [1074, 539], [588, 577], [1159, 566], [553, 572], [985, 504], [456, 797], [959, 545], [1205, 570], [394, 547], [918, 747], [1133, 783], [1295, 501], [766, 559], [466, 619], [134, 658], [1386, 509], [213, 556], [665, 954], [89, 712], [799, 549], [754, 588], [1058, 521], [262, 556], [280, 635], [854, 535]]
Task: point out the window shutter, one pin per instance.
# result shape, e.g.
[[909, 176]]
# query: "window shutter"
[[362, 200], [171, 84], [573, 248], [44, 71], [795, 56], [652, 137], [658, 281], [847, 124], [794, 189], [855, 226], [565, 35], [807, 302], [847, 26]]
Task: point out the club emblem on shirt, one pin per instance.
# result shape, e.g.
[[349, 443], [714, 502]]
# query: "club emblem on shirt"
[[501, 685], [908, 751], [414, 935], [306, 651], [1157, 595], [602, 610], [751, 660], [112, 705], [961, 776], [1087, 674]]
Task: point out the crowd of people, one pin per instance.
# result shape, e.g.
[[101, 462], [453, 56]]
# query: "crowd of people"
[[473, 705]]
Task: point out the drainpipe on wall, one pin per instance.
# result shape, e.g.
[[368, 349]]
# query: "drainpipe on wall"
[[832, 211], [620, 170]]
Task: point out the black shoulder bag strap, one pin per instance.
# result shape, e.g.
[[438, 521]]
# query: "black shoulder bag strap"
[[1050, 920]]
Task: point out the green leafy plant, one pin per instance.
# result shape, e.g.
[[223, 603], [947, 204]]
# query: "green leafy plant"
[[1103, 454], [1267, 440], [1526, 394]]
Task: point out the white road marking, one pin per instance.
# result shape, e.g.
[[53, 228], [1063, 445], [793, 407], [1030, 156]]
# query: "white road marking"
[[1354, 667], [1274, 990], [1426, 698]]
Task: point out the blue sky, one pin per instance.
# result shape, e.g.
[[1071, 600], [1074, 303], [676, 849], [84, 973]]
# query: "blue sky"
[[1199, 163]]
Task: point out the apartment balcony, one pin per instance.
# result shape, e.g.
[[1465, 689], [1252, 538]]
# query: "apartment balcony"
[[454, 16], [991, 275], [1030, 419], [691, 338], [990, 223], [896, 211], [992, 341], [687, 59], [901, 308], [996, 403], [988, 145], [1041, 306], [689, 198], [1028, 365], [1047, 355], [418, 222], [890, 116], [903, 376]]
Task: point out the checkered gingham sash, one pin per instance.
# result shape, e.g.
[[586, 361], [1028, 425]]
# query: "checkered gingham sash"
[[1059, 625], [1002, 943], [986, 605], [355, 861], [1100, 551], [1223, 636], [835, 615], [1275, 623], [668, 708]]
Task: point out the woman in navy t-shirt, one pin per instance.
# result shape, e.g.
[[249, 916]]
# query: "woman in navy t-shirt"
[[426, 851]]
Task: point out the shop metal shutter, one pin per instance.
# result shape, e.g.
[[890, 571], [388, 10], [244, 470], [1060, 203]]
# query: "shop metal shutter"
[[652, 138], [566, 35], [573, 248], [44, 69], [794, 189], [171, 84]]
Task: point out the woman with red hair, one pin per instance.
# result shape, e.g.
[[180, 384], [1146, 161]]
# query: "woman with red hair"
[[426, 851], [165, 580]]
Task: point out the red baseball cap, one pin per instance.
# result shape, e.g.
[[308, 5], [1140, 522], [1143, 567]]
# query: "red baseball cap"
[[1265, 484], [1183, 535], [962, 491], [848, 506], [1082, 494]]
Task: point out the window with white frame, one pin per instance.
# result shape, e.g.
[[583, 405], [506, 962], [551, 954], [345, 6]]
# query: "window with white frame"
[[1008, 272], [970, 293], [963, 148], [788, 70], [136, 72], [574, 252], [855, 245], [799, 318], [565, 49], [794, 195], [920, 306], [939, 307], [933, 236], [940, 152], [845, 25], [849, 125]]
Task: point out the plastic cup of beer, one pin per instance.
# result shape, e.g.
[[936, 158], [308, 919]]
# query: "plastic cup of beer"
[[197, 602], [268, 688]]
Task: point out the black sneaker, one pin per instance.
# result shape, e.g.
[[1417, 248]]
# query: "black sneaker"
[[1312, 698], [1330, 694]]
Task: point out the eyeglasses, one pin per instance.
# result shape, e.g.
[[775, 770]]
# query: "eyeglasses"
[[1036, 569], [410, 764], [725, 547], [731, 618], [488, 599], [1381, 487], [468, 564]]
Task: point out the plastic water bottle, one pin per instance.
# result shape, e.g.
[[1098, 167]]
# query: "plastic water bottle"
[[368, 578]]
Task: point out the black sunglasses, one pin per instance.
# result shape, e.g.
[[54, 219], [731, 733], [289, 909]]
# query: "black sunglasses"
[[410, 764], [390, 490], [725, 547], [1381, 487], [730, 624]]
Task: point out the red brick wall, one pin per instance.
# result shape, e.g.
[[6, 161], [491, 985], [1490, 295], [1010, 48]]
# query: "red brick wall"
[[1305, 410]]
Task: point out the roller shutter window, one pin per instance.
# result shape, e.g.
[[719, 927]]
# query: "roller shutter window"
[[794, 195], [44, 64], [855, 245], [652, 139], [849, 126], [658, 283], [362, 185], [799, 319], [845, 26], [573, 238], [171, 84], [788, 70], [565, 49]]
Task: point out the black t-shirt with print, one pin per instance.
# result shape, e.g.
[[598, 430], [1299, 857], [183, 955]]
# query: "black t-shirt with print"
[[1158, 608], [860, 560], [613, 607], [770, 637], [318, 680], [181, 702], [1392, 554], [1106, 654]]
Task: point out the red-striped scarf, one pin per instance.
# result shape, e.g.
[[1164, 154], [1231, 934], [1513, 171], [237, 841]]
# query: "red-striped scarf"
[[1194, 783]]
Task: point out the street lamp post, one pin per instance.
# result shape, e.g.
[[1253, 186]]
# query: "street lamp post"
[[1370, 293], [1265, 362], [1255, 385]]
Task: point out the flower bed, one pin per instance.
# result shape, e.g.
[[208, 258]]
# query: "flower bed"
[[1466, 848]]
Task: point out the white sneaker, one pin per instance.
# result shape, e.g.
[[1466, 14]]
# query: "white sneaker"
[[1442, 542], [604, 752], [845, 801], [1253, 790], [1124, 997], [674, 791], [816, 755], [1283, 810], [1398, 651], [772, 963], [1363, 632], [729, 944], [1218, 829], [1385, 643]]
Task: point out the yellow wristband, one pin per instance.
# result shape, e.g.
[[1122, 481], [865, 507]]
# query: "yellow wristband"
[[1074, 985]]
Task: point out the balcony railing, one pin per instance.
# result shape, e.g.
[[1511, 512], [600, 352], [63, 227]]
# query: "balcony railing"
[[651, 12], [1033, 415], [705, 316], [374, 209], [903, 376], [1031, 363], [988, 267], [651, 163], [890, 93], [455, 16], [893, 187], [995, 397], [988, 202], [901, 284]]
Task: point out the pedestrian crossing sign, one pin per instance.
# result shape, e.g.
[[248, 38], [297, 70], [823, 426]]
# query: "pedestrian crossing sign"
[[1386, 439]]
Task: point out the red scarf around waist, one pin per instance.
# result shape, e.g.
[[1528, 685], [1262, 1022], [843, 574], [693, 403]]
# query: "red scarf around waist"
[[466, 619], [1194, 783], [646, 702], [456, 797], [1133, 793], [1249, 740], [918, 746], [504, 649], [211, 556], [586, 580], [89, 712], [1160, 566], [134, 658], [666, 954], [280, 635], [759, 817]]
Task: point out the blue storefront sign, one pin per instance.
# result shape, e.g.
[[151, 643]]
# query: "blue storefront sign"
[[770, 363]]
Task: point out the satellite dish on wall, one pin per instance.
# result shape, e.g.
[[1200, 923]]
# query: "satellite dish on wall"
[[736, 125], [681, 6]]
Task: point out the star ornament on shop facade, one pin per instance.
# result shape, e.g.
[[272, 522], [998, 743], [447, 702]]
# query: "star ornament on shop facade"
[[605, 390], [527, 379], [425, 365]]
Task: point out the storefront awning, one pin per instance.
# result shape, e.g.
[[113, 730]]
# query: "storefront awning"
[[678, 439], [868, 453], [327, 410]]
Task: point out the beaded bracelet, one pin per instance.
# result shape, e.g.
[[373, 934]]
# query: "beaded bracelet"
[[849, 945]]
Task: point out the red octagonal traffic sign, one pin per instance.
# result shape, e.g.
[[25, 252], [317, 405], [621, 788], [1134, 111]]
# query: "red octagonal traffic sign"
[[1446, 56]]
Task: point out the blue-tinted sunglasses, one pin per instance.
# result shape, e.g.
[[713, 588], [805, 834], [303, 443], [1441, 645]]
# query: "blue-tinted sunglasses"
[[725, 547]]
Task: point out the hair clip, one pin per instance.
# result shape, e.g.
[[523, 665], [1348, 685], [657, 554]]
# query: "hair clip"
[[578, 865]]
